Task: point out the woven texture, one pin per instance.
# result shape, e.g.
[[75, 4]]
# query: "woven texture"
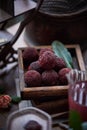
[[62, 6]]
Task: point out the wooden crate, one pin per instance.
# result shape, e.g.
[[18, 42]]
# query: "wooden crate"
[[49, 98]]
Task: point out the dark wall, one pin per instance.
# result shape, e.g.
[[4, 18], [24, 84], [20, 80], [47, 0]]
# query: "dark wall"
[[8, 6]]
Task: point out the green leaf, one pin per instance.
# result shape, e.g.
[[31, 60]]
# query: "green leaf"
[[61, 51], [75, 120], [15, 99]]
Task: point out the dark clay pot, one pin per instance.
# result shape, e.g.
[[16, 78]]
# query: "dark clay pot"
[[68, 28]]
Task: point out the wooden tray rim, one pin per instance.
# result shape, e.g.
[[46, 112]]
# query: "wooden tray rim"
[[43, 91]]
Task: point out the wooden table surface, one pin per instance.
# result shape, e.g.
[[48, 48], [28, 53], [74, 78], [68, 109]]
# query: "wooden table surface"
[[11, 78]]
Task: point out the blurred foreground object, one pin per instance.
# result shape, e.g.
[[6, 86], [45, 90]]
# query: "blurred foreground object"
[[18, 119]]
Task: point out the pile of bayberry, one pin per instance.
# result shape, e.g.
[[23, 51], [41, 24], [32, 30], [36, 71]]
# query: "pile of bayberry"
[[43, 68]]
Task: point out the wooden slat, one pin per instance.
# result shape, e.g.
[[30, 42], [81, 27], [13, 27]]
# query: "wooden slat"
[[56, 106], [42, 92], [21, 70], [80, 58]]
